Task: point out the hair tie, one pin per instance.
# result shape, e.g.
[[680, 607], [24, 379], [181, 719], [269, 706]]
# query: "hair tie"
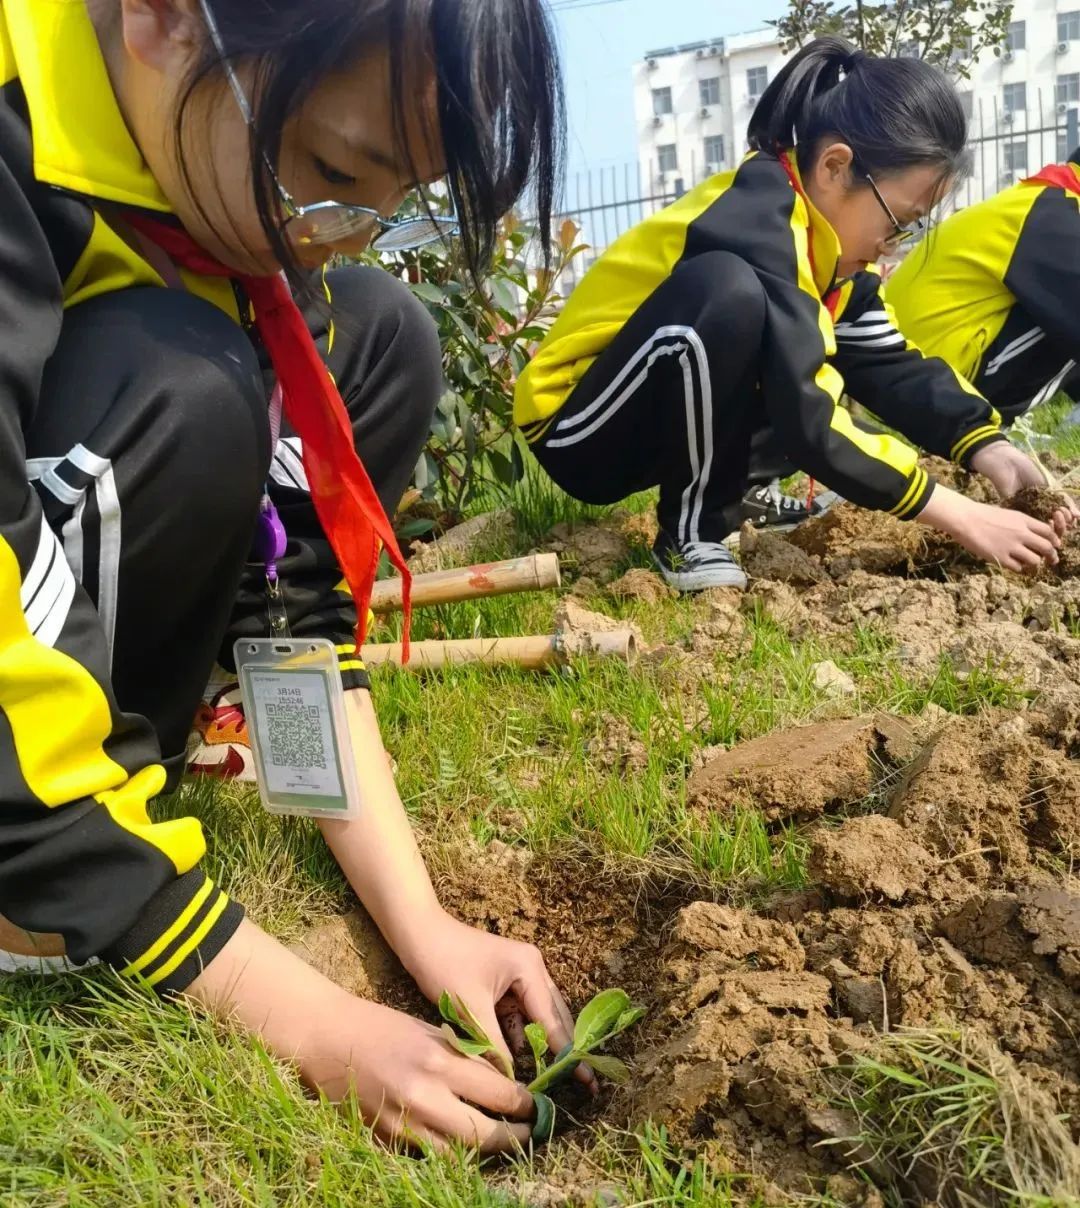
[[856, 56]]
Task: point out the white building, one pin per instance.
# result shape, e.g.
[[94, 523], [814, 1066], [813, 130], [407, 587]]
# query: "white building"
[[692, 102]]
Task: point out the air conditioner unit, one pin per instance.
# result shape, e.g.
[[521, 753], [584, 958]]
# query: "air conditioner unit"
[[712, 169], [706, 111], [1007, 56], [650, 64], [657, 120], [1062, 107], [1008, 117], [699, 53], [1063, 48], [1007, 178]]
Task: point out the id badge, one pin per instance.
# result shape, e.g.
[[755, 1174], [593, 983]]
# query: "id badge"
[[295, 709]]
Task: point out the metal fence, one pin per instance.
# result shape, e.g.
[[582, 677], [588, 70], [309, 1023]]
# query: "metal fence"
[[1006, 145]]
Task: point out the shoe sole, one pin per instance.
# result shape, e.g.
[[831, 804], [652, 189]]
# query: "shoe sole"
[[701, 580]]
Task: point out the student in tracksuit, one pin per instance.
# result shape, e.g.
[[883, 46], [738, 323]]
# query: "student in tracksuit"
[[994, 292], [749, 305], [160, 161]]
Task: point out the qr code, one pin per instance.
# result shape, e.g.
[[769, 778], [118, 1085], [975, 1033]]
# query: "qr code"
[[295, 735]]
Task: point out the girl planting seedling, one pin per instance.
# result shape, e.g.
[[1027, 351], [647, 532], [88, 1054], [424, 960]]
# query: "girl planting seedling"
[[160, 162], [748, 307]]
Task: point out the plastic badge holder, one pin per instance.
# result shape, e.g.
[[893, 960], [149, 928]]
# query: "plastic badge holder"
[[295, 709]]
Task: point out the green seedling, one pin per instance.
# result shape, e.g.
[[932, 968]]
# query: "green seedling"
[[600, 1021]]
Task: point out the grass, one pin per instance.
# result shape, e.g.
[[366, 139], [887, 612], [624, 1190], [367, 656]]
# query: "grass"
[[109, 1099], [946, 1115]]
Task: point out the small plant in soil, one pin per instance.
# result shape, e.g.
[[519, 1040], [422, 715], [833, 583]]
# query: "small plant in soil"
[[601, 1020]]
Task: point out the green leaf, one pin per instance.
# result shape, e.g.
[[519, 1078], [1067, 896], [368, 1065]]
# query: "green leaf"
[[627, 1020], [448, 1009], [538, 1042], [598, 1018], [609, 1067], [428, 291], [545, 1119], [471, 1048], [501, 467]]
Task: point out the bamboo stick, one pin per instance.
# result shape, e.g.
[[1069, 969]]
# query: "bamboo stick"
[[536, 572], [531, 653]]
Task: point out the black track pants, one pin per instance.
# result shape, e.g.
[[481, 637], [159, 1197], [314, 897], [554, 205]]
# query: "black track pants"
[[674, 401], [149, 449]]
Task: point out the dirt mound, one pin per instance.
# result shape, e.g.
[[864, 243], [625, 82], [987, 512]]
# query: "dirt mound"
[[771, 556], [791, 773], [1042, 503], [592, 550], [868, 857], [848, 538], [642, 585]]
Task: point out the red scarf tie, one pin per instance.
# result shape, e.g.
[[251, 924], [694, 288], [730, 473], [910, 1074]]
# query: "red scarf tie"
[[345, 501], [1061, 176]]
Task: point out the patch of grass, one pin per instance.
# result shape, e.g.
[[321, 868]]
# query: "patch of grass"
[[946, 1115]]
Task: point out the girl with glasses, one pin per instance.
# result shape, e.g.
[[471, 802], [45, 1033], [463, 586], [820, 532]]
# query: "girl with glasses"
[[711, 345], [162, 401]]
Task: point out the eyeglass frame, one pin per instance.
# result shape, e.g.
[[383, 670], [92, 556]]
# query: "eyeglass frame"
[[292, 209], [901, 234]]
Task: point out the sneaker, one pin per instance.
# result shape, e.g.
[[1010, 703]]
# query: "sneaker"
[[696, 565], [219, 744], [766, 507]]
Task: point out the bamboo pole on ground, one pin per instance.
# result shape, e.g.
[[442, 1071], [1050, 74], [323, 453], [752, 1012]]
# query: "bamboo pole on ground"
[[531, 653], [536, 572]]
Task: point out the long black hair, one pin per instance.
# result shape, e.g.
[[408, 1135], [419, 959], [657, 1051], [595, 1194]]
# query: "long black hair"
[[500, 98], [894, 114]]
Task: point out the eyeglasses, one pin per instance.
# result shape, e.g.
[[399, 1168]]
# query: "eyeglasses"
[[329, 222], [901, 234]]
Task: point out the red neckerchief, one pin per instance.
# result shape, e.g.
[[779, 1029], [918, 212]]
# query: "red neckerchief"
[[345, 501], [831, 300], [1060, 175]]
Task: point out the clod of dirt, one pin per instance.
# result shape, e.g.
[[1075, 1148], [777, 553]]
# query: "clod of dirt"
[[724, 630], [770, 556], [639, 528], [617, 746], [781, 604], [594, 550], [868, 857], [791, 773], [828, 678], [574, 623], [460, 545], [848, 538], [1052, 916], [642, 585], [1042, 503]]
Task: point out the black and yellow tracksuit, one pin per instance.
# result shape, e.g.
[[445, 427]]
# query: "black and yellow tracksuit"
[[715, 318], [134, 448], [993, 291]]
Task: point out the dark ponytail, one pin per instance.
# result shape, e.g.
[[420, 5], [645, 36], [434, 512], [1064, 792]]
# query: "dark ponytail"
[[500, 100], [894, 114]]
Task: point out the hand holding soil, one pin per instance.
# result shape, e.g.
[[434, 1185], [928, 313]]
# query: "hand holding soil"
[[1008, 468], [996, 534]]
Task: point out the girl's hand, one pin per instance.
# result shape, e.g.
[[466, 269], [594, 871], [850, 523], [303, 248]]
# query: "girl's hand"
[[1011, 539], [409, 1083], [503, 982], [1010, 470]]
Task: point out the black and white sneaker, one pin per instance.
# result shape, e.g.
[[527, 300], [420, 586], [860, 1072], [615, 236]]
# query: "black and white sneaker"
[[766, 507], [696, 565]]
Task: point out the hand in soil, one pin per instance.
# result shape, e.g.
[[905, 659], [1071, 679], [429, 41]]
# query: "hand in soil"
[[1008, 468], [414, 1088], [1011, 539], [505, 984]]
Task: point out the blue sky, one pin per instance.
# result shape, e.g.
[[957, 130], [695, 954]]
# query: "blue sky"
[[600, 45]]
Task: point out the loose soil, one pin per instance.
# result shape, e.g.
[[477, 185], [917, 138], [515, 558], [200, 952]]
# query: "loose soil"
[[942, 869]]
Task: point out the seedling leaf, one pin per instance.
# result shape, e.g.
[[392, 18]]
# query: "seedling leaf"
[[471, 1048], [457, 1015], [598, 1018], [609, 1067], [627, 1020], [545, 1119], [538, 1042]]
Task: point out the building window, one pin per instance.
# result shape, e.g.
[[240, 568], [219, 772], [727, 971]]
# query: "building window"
[[661, 101], [1015, 153], [710, 91], [667, 158], [714, 153], [1063, 148], [967, 103], [757, 80], [1068, 89], [1069, 26], [1014, 98], [1016, 38]]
